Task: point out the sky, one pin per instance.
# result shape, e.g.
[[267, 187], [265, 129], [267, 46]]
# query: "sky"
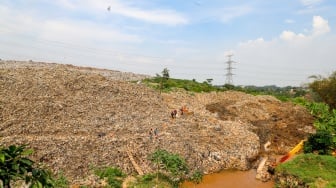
[[272, 42]]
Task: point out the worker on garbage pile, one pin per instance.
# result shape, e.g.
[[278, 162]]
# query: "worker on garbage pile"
[[156, 133], [173, 114], [183, 109], [151, 134]]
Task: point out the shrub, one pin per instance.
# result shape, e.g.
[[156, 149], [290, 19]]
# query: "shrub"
[[172, 163], [15, 165], [325, 123], [197, 176], [321, 142], [114, 176]]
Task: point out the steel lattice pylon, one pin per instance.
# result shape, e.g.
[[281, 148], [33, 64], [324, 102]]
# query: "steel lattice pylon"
[[229, 68]]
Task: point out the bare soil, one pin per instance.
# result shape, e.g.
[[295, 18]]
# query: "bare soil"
[[76, 118]]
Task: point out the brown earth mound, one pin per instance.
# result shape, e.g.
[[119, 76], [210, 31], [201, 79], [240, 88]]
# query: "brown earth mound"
[[282, 123], [75, 118]]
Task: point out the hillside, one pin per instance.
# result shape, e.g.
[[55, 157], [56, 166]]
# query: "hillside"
[[75, 117]]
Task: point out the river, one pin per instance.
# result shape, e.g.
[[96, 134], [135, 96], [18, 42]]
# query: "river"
[[230, 179]]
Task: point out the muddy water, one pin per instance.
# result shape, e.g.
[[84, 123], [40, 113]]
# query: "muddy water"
[[230, 179]]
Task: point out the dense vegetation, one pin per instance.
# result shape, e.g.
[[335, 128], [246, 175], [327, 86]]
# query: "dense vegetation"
[[325, 89], [15, 166], [166, 84], [281, 93], [188, 85], [173, 165], [324, 140], [317, 170]]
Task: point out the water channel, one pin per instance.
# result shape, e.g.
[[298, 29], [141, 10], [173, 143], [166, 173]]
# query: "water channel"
[[230, 179]]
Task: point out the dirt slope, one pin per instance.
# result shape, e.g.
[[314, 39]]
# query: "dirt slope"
[[282, 123], [75, 118]]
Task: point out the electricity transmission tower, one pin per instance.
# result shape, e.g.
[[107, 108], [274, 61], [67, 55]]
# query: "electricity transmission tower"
[[229, 70]]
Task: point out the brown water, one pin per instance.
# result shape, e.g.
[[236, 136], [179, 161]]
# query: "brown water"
[[230, 179]]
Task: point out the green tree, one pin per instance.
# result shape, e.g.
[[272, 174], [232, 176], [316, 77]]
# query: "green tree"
[[164, 78], [325, 88], [15, 165], [165, 73], [175, 165]]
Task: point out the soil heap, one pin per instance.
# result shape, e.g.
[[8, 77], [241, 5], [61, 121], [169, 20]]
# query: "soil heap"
[[75, 118]]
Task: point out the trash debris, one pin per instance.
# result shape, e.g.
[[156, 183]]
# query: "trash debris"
[[77, 117]]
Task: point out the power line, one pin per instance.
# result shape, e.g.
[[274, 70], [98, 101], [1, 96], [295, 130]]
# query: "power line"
[[187, 66]]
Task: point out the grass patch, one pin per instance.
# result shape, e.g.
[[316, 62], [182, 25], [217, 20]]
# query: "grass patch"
[[113, 175], [150, 180], [61, 181], [197, 177], [313, 170]]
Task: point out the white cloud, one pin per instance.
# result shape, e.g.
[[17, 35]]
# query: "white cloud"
[[230, 13], [320, 26], [283, 63], [290, 36], [82, 32], [310, 3], [252, 42], [155, 16], [68, 4], [287, 59], [26, 35], [21, 22], [166, 17], [311, 7], [228, 53], [289, 21], [13, 22]]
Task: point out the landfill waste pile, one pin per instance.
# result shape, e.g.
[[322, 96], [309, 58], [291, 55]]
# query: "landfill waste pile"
[[77, 117]]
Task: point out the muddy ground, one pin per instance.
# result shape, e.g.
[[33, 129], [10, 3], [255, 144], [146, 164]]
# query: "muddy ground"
[[75, 118]]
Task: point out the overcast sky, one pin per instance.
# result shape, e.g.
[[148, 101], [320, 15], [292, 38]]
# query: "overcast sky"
[[274, 42]]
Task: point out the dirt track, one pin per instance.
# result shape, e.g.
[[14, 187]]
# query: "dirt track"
[[75, 118]]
